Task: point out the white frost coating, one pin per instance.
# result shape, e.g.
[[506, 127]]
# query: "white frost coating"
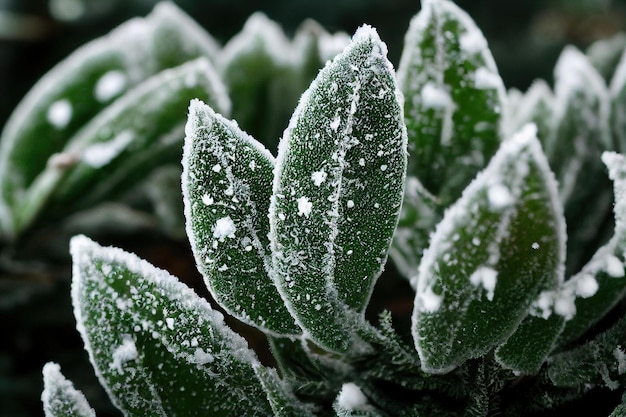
[[351, 397], [224, 227], [60, 113], [100, 154], [124, 353], [207, 200], [614, 267], [586, 286], [59, 393], [110, 85], [485, 79], [200, 357], [499, 196], [318, 177], [473, 42], [429, 302], [334, 125], [486, 277], [435, 97], [304, 206], [565, 304]]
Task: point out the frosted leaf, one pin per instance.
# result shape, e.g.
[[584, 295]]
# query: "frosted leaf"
[[342, 119], [126, 141], [255, 64], [527, 349], [536, 105], [480, 266], [605, 54], [60, 398], [140, 359], [226, 214], [618, 104], [453, 98], [453, 103], [606, 266], [581, 134], [79, 87]]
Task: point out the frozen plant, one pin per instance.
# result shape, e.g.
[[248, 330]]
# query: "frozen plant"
[[504, 211]]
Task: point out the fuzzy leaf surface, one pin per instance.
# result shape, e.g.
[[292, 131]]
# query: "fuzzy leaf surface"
[[78, 88], [337, 191], [227, 185], [60, 398], [601, 283], [122, 144], [454, 98], [494, 252], [149, 336]]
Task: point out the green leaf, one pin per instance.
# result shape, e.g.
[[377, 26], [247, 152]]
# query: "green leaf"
[[158, 348], [256, 65], [527, 349], [601, 283], [581, 112], [605, 54], [81, 86], [227, 185], [122, 144], [454, 98], [491, 256], [337, 191], [535, 106], [60, 398]]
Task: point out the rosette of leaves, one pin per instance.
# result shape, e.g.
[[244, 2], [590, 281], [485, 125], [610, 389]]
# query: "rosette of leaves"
[[472, 197]]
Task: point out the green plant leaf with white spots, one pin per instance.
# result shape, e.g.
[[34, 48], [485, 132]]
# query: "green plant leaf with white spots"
[[453, 102], [227, 185], [601, 283], [337, 191], [581, 134], [123, 143], [454, 97], [82, 85], [149, 336], [496, 249], [60, 398]]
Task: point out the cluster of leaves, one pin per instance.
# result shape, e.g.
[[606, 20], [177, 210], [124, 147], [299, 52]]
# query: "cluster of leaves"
[[113, 112], [495, 205]]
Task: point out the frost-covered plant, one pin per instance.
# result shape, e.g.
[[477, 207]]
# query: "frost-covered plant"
[[495, 206]]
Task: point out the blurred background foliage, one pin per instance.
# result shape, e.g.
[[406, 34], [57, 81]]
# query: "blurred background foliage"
[[525, 37]]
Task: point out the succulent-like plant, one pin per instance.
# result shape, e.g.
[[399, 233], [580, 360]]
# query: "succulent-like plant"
[[503, 211]]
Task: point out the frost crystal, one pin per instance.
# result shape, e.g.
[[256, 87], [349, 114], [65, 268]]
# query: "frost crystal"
[[487, 278], [124, 353], [351, 397], [60, 113], [224, 227], [304, 206], [110, 85]]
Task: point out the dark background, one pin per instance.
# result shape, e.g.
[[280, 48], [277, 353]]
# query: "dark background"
[[525, 36]]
